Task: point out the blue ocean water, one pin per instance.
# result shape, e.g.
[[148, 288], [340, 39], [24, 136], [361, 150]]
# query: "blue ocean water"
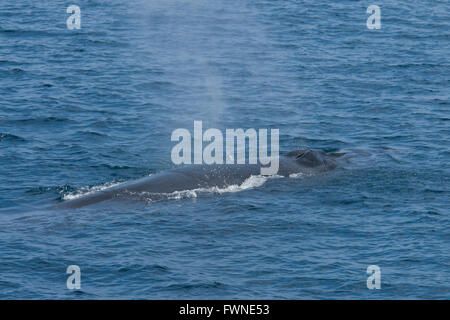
[[83, 109]]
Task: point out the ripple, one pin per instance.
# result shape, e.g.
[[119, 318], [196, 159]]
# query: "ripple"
[[38, 121], [10, 137]]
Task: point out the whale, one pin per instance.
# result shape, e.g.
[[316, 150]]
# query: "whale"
[[198, 176]]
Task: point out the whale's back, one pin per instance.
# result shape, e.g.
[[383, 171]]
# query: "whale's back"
[[206, 176]]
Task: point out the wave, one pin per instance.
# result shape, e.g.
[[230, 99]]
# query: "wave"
[[39, 121]]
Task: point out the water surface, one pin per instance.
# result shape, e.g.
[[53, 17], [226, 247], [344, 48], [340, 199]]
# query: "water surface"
[[84, 109]]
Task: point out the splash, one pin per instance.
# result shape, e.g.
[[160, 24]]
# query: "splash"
[[298, 175], [249, 183], [83, 191]]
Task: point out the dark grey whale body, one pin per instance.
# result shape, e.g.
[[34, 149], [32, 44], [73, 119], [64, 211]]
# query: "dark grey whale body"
[[207, 176]]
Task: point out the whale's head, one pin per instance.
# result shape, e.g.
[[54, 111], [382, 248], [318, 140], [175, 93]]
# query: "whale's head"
[[312, 158]]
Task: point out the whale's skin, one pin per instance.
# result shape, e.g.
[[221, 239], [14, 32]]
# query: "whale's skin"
[[206, 176]]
